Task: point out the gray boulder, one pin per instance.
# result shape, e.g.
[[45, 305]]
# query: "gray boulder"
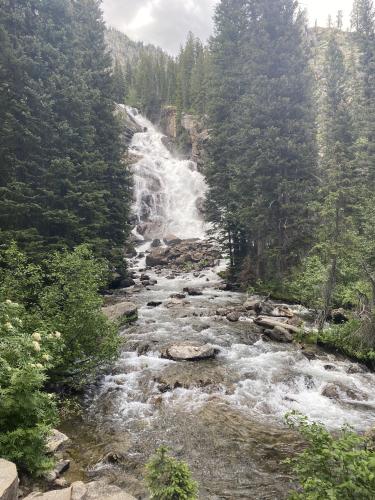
[[8, 480], [122, 311], [189, 352]]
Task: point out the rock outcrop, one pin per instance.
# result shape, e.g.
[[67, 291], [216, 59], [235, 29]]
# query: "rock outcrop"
[[56, 441], [191, 253], [129, 127], [97, 490], [8, 480], [122, 312]]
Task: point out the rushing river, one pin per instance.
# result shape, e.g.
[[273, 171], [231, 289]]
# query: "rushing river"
[[223, 416]]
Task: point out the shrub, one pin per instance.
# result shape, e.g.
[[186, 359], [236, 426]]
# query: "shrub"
[[169, 479], [71, 303], [331, 467], [349, 340], [26, 412]]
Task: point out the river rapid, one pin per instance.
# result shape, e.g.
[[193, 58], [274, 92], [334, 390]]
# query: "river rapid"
[[224, 416]]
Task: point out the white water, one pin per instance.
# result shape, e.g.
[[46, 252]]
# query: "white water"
[[267, 379], [251, 384], [167, 189]]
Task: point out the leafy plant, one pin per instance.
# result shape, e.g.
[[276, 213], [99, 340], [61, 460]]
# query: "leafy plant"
[[26, 412], [71, 303], [333, 468], [169, 479]]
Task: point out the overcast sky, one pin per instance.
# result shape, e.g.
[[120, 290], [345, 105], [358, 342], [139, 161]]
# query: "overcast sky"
[[167, 22]]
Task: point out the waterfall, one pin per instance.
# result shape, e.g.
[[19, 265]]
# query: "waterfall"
[[169, 192]]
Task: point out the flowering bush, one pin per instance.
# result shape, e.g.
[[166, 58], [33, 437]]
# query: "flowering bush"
[[26, 412]]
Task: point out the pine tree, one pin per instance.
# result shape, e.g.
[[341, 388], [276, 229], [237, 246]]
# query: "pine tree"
[[338, 187], [268, 126]]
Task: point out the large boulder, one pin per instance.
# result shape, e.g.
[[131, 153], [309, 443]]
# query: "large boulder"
[[8, 480], [157, 257], [64, 494], [189, 352], [96, 490], [193, 292], [56, 440], [122, 312], [279, 334], [171, 239]]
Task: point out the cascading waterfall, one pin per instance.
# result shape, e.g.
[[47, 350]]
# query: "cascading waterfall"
[[168, 191]]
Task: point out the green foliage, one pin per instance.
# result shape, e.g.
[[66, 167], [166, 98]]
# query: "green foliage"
[[349, 340], [26, 412], [62, 178], [331, 467], [262, 152], [169, 479], [71, 304]]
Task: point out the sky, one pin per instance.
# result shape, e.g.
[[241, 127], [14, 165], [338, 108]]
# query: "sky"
[[166, 22]]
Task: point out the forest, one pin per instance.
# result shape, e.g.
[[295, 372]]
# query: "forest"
[[289, 165]]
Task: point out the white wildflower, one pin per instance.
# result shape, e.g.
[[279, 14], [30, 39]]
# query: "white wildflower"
[[36, 336], [47, 357], [40, 366], [8, 302], [36, 346], [8, 326], [58, 335]]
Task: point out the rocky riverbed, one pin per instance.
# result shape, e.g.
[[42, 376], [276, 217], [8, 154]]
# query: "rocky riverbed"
[[210, 373]]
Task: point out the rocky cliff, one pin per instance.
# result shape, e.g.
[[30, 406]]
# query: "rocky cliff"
[[186, 135]]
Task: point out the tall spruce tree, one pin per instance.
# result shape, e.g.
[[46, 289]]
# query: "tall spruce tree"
[[338, 193], [264, 122]]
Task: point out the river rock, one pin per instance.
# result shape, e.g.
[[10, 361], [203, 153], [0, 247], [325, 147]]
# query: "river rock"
[[154, 303], [101, 490], [338, 391], [64, 494], [193, 292], [156, 243], [189, 352], [339, 316], [233, 316], [179, 296], [122, 311], [171, 239], [8, 480], [127, 282], [279, 334], [56, 440], [253, 305], [157, 257]]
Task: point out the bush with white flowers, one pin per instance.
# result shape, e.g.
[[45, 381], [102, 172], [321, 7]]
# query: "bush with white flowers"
[[27, 412]]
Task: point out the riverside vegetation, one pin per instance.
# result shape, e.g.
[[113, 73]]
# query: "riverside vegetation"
[[290, 168]]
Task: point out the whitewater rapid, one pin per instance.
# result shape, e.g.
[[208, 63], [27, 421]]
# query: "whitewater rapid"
[[225, 416]]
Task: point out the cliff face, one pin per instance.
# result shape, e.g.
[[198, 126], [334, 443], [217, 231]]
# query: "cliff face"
[[128, 126], [187, 136]]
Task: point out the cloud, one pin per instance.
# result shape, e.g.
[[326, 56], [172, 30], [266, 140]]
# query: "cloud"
[[162, 22], [166, 23]]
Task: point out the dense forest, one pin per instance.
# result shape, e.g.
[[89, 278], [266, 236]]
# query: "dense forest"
[[290, 115], [290, 167]]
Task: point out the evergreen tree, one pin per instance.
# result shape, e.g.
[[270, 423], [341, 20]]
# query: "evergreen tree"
[[267, 120], [63, 181], [338, 188], [119, 83]]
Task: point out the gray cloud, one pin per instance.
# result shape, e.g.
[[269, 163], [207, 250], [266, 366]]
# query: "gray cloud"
[[167, 22], [161, 22]]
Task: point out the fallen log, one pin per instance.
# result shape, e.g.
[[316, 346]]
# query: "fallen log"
[[268, 322]]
